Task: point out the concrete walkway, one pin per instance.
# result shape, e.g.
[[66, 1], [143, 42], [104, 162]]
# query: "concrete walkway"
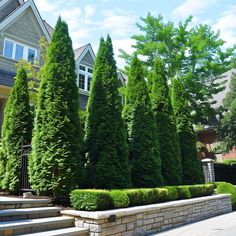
[[224, 225]]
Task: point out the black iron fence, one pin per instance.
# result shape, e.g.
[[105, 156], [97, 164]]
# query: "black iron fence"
[[24, 177], [225, 173]]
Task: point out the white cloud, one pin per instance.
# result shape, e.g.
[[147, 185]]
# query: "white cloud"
[[192, 7], [226, 25], [89, 10], [46, 6]]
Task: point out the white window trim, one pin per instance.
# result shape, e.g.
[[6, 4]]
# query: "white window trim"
[[86, 75], [25, 49]]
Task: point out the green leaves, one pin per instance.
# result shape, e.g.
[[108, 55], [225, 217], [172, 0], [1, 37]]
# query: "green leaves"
[[56, 164], [105, 135], [193, 54]]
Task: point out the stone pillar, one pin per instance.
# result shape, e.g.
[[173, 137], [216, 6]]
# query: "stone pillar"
[[208, 169]]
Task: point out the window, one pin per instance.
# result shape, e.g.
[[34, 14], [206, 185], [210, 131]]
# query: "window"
[[82, 68], [90, 71], [17, 51], [31, 55], [85, 77], [81, 81], [89, 83], [8, 49]]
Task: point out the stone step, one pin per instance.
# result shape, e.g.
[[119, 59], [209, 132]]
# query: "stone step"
[[35, 225], [74, 231], [16, 203], [29, 213]]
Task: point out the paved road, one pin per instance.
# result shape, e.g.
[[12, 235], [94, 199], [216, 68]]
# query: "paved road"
[[224, 225]]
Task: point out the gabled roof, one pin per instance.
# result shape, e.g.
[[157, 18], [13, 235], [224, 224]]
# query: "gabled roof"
[[80, 52], [18, 12]]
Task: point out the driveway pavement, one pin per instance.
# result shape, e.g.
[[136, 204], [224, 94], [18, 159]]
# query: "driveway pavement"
[[223, 225]]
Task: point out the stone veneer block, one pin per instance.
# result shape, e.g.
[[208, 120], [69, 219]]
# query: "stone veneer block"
[[143, 220]]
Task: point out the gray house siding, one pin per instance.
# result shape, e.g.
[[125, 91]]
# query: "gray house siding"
[[26, 30], [5, 10]]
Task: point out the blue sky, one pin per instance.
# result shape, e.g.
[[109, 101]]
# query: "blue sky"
[[88, 20]]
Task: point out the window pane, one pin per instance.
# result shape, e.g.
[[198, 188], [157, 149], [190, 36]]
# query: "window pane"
[[31, 55], [90, 70], [19, 52], [89, 82], [81, 81], [82, 68], [8, 49]]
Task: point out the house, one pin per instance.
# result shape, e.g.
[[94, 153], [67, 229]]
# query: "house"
[[21, 28], [208, 136]]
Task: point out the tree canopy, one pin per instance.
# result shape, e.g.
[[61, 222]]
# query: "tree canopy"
[[144, 153], [55, 163], [105, 134], [193, 54]]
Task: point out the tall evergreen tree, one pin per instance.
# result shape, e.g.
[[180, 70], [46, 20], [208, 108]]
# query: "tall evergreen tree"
[[192, 170], [169, 143], [16, 131], [227, 127], [55, 163], [142, 134], [105, 134]]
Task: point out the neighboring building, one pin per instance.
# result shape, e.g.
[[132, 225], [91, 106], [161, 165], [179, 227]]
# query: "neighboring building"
[[21, 28], [208, 136]]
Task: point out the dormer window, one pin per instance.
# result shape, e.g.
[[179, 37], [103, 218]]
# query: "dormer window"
[[16, 51], [85, 77]]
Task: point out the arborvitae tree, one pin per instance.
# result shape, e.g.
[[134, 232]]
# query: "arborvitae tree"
[[16, 131], [165, 121], [227, 127], [55, 162], [105, 134], [142, 134], [192, 170]]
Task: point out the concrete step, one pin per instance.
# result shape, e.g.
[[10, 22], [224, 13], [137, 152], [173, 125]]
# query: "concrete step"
[[29, 213], [35, 225], [74, 231], [16, 203]]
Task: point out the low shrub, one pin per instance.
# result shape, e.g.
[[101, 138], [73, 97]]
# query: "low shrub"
[[183, 192], [216, 184], [228, 188], [172, 193], [91, 200], [201, 190], [161, 195], [119, 199]]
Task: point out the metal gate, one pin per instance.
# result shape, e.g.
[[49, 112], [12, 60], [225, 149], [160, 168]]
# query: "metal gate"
[[24, 177]]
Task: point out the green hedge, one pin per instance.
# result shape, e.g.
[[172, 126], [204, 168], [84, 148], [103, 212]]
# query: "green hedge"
[[228, 188], [93, 200]]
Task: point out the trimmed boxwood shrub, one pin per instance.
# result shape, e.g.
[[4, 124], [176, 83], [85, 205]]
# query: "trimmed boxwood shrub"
[[228, 188], [119, 199], [172, 193], [183, 192], [161, 195], [216, 184], [201, 190], [91, 200]]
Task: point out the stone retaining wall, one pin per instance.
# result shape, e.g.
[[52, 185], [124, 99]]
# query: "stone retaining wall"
[[144, 220]]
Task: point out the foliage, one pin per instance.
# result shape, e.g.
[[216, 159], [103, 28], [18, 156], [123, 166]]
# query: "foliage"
[[172, 193], [201, 190], [55, 163], [16, 131], [227, 128], [142, 134], [91, 200], [229, 162], [105, 135], [119, 199], [183, 192], [166, 128], [194, 54], [228, 188], [192, 169]]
